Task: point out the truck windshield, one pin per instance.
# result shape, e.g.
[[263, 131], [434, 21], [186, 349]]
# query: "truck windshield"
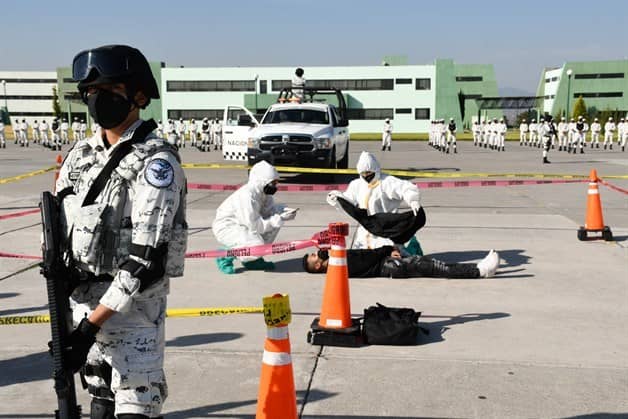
[[309, 116]]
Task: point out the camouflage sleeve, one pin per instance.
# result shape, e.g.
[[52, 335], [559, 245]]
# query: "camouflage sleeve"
[[155, 197]]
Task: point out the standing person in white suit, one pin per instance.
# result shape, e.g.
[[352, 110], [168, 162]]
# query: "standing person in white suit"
[[377, 192], [387, 135]]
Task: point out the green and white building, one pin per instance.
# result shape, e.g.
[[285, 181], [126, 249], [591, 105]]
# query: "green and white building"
[[410, 95], [602, 84]]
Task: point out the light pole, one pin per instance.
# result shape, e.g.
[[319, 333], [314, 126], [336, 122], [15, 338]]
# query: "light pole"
[[569, 73], [4, 87], [256, 78]]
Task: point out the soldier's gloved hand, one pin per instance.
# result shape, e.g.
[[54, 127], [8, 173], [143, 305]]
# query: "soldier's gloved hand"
[[415, 206], [79, 343]]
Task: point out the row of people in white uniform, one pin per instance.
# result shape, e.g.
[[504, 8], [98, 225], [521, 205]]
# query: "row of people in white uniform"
[[491, 134], [441, 136], [49, 135], [572, 135], [210, 132]]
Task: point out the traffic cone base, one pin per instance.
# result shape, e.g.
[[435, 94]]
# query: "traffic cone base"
[[594, 220]]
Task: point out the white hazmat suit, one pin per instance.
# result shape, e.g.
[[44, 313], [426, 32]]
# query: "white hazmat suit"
[[382, 194], [249, 216]]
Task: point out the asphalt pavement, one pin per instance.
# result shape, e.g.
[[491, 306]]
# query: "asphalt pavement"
[[547, 337]]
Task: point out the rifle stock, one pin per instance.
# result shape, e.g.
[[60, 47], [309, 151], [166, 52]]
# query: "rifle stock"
[[58, 277]]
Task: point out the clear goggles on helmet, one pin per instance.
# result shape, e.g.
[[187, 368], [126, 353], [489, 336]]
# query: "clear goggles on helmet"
[[107, 63]]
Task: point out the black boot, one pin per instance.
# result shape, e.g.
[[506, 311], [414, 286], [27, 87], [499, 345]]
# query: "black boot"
[[582, 151], [388, 148], [610, 147], [545, 161]]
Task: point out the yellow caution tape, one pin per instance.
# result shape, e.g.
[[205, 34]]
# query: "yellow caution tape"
[[210, 311], [26, 175], [277, 310], [404, 173], [174, 312]]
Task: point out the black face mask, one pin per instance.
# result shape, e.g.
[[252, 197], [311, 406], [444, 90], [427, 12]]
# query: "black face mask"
[[107, 108], [369, 178], [270, 189], [323, 254]]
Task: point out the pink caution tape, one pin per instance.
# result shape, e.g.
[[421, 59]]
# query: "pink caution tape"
[[320, 239], [616, 188], [18, 256], [424, 185], [19, 214]]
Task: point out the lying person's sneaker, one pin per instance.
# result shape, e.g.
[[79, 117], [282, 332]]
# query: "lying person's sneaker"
[[226, 265], [488, 266], [259, 264]]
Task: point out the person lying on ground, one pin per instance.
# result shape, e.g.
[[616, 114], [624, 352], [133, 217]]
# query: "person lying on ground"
[[387, 261]]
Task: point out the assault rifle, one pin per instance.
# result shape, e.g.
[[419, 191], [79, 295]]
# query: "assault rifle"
[[59, 285]]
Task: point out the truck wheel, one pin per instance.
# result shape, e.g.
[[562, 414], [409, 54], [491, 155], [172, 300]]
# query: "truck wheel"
[[332, 159], [344, 162]]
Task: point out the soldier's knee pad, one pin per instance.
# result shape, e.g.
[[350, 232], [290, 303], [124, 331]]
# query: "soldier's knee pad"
[[102, 409]]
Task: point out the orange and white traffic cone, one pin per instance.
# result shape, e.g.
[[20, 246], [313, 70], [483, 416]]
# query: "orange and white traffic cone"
[[335, 327], [336, 308], [594, 220], [57, 171], [277, 398]]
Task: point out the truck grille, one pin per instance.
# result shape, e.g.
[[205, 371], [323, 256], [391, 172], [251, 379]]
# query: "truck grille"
[[296, 142]]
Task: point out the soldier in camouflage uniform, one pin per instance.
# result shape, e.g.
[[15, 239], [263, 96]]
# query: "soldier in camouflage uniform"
[[127, 241]]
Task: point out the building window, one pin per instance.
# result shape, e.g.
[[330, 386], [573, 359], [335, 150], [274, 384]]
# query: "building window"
[[54, 81], [278, 85], [423, 84], [599, 94], [403, 81], [362, 84], [403, 110], [69, 80], [550, 96], [474, 96], [422, 113], [263, 87], [18, 114], [197, 114], [470, 78], [555, 78], [211, 86], [369, 113], [26, 97], [600, 76], [548, 80]]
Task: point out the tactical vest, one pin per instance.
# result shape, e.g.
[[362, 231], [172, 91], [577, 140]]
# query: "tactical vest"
[[100, 234]]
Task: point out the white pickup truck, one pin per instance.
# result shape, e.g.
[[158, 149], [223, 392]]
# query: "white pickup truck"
[[290, 134]]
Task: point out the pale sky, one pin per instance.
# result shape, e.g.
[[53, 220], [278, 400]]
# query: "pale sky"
[[518, 38]]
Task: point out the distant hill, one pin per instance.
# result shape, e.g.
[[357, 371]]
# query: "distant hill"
[[513, 91]]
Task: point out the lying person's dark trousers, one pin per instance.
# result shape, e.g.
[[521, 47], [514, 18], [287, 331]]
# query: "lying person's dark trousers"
[[418, 266]]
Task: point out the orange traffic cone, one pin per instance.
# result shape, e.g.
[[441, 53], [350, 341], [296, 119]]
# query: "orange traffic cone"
[[594, 220], [277, 398], [336, 309], [335, 326], [57, 171]]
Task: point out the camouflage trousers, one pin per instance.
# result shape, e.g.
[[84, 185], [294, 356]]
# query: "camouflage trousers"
[[125, 365]]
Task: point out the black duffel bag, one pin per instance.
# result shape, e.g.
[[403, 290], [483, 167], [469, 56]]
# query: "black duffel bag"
[[390, 325]]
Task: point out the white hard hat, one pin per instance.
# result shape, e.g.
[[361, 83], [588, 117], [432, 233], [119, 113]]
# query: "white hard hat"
[[595, 119]]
